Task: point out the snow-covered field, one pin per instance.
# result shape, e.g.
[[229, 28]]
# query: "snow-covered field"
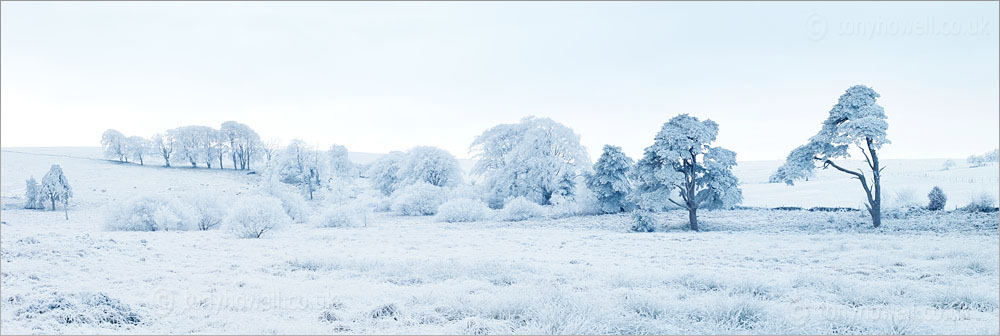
[[750, 271]]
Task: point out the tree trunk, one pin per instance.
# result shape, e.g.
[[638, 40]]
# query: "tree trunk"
[[53, 203], [876, 206], [66, 208], [693, 218]]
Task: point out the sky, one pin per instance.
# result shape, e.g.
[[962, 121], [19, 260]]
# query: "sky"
[[378, 77]]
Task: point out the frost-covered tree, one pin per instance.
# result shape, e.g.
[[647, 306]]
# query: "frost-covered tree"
[[936, 199], [212, 146], [299, 165], [340, 165], [528, 159], [856, 120], [269, 148], [384, 172], [194, 143], [164, 144], [992, 156], [948, 164], [115, 145], [55, 188], [610, 180], [683, 162], [137, 148], [431, 165], [243, 143], [32, 195], [975, 161]]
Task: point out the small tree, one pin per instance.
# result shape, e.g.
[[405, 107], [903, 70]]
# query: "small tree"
[[300, 166], [55, 188], [164, 144], [937, 199], [32, 195], [856, 120], [384, 172], [137, 148], [431, 165], [610, 181], [672, 164], [340, 165], [949, 164], [114, 144]]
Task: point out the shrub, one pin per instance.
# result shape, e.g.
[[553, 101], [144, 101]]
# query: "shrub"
[[462, 210], [340, 216], [209, 210], [982, 202], [520, 208], [937, 199], [581, 204], [253, 216], [151, 213], [418, 199], [643, 221], [293, 204]]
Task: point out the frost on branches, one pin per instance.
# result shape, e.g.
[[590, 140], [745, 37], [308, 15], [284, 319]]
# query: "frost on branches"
[[681, 162], [856, 120], [534, 158], [610, 180], [431, 165], [114, 144]]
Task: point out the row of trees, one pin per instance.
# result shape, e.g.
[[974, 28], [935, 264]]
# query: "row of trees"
[[191, 144], [985, 159], [54, 189]]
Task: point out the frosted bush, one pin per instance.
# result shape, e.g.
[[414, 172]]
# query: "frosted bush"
[[982, 202], [520, 208], [251, 217], [936, 199], [210, 210], [341, 216], [151, 213], [293, 204], [462, 210], [582, 204], [642, 221], [418, 199]]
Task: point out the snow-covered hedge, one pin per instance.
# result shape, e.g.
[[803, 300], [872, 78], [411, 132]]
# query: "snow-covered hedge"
[[151, 213], [520, 208], [418, 199], [251, 217], [462, 210]]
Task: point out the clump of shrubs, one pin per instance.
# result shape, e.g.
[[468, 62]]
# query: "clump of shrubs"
[[151, 213], [418, 199], [520, 208], [251, 217], [341, 216], [936, 199], [293, 204], [982, 202], [643, 221], [462, 210]]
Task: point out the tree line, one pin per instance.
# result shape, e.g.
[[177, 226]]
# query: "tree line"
[[191, 144]]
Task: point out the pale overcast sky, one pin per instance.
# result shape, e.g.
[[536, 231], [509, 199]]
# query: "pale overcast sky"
[[388, 76]]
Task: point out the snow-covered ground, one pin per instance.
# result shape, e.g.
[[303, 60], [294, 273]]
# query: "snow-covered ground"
[[750, 271]]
